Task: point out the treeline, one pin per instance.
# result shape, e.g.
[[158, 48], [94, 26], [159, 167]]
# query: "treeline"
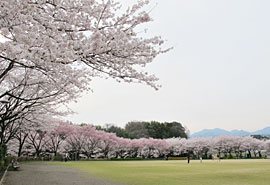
[[144, 129], [59, 140]]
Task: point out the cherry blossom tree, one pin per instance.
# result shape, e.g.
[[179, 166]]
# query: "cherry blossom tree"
[[252, 145], [107, 143], [237, 146], [123, 148], [267, 147], [218, 145], [73, 41], [135, 145], [50, 50], [200, 147], [25, 101], [38, 138], [93, 138], [162, 148], [75, 141], [153, 148], [177, 146], [57, 135], [51, 35], [21, 138]]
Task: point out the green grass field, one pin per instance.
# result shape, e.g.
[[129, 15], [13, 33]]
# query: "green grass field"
[[226, 172]]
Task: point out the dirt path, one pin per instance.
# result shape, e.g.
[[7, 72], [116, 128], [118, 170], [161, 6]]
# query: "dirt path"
[[36, 173]]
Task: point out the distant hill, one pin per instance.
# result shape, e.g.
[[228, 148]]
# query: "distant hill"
[[210, 133], [239, 133], [265, 131], [220, 132]]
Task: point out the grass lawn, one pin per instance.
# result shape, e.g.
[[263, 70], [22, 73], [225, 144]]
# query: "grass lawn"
[[226, 172]]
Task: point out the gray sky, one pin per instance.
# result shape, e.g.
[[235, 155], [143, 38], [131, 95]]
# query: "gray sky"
[[217, 75]]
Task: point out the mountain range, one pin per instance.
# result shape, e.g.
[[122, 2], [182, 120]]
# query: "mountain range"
[[219, 132]]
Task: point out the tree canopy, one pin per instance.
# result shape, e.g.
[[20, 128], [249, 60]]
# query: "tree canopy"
[[143, 129]]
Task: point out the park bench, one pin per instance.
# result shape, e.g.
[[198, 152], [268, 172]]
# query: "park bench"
[[15, 165]]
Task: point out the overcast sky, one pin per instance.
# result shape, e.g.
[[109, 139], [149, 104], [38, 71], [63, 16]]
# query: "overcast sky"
[[217, 75]]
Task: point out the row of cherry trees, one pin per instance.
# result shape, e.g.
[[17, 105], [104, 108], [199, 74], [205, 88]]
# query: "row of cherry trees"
[[62, 138]]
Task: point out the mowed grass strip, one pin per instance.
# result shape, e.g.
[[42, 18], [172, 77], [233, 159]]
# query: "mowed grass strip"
[[226, 172]]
